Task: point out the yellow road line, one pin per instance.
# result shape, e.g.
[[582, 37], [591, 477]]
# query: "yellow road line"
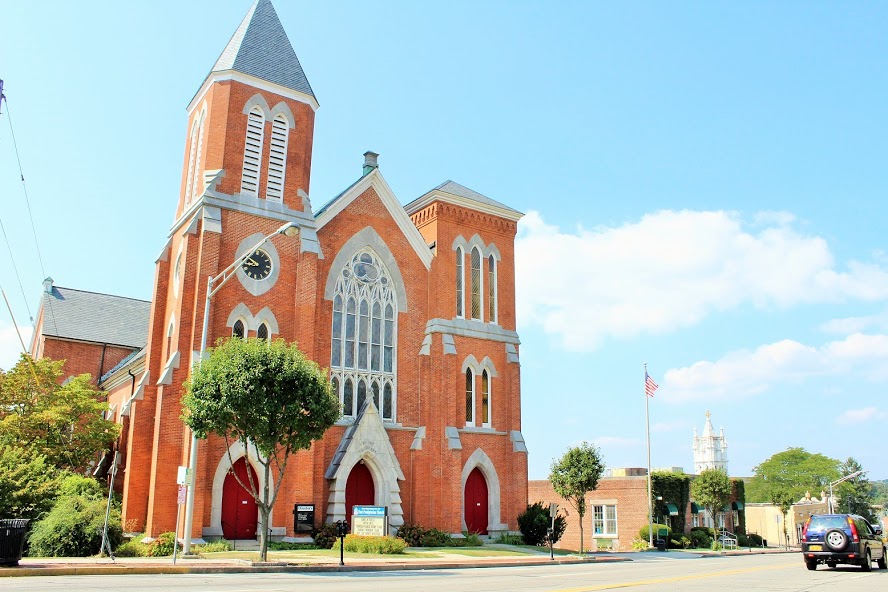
[[716, 574]]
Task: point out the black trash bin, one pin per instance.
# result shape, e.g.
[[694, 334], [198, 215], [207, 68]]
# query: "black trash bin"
[[12, 540], [661, 544]]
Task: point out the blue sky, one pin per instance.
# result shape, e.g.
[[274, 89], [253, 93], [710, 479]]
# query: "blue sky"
[[704, 186]]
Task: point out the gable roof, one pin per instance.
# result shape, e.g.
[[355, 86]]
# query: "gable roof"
[[260, 47], [452, 192], [375, 180], [99, 318]]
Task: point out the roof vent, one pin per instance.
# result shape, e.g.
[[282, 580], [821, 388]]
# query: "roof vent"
[[370, 162], [47, 285]]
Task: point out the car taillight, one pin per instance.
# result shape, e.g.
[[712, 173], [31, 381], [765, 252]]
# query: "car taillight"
[[805, 530], [854, 534]]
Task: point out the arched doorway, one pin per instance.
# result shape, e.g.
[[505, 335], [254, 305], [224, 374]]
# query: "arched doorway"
[[475, 502], [239, 511], [359, 490]]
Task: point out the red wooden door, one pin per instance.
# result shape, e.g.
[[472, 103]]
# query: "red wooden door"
[[359, 490], [476, 502], [239, 512]]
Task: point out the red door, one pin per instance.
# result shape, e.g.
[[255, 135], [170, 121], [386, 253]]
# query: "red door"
[[359, 489], [239, 511], [476, 502]]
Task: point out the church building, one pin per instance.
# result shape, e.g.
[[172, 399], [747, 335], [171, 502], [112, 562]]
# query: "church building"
[[710, 450], [411, 308]]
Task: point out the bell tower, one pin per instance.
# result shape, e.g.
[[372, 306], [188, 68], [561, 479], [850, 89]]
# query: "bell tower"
[[246, 172]]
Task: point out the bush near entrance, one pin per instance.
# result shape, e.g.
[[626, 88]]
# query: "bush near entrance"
[[534, 525]]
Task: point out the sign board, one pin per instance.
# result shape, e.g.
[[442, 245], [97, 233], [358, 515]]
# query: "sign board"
[[180, 498], [183, 476], [304, 518], [369, 520]]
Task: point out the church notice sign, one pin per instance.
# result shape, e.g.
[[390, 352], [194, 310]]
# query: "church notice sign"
[[370, 520]]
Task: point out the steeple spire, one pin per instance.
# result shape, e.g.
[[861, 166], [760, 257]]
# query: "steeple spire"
[[260, 47]]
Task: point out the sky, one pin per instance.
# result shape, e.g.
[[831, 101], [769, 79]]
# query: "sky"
[[703, 187]]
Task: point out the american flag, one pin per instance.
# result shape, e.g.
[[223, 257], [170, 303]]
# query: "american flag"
[[649, 385]]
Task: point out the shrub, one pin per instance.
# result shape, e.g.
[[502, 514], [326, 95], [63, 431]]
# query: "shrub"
[[73, 528], [162, 546], [132, 548], [700, 538], [384, 545], [28, 484], [216, 547], [643, 533], [508, 538], [325, 536], [639, 544], [680, 542], [754, 540], [411, 533], [534, 525], [436, 538], [73, 484]]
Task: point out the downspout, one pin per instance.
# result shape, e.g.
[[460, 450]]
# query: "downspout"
[[102, 363]]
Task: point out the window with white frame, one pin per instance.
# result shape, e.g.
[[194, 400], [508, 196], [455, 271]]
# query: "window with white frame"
[[192, 154], [253, 151], [485, 398], [604, 521], [491, 288], [477, 312], [695, 520], [460, 280], [196, 185], [277, 158], [470, 397], [363, 345]]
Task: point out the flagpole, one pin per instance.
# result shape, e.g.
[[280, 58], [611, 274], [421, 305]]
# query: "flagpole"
[[647, 423]]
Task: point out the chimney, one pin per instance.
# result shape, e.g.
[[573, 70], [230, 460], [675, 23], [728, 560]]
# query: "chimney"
[[47, 285], [370, 162]]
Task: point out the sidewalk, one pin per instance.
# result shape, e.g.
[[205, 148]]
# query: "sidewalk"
[[55, 566]]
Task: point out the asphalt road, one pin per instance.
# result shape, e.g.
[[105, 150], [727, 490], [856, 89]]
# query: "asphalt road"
[[777, 573]]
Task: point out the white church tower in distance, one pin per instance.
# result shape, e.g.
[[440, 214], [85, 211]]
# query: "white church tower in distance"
[[710, 451]]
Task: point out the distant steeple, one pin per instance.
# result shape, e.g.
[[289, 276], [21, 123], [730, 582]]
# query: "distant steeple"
[[260, 47], [710, 451]]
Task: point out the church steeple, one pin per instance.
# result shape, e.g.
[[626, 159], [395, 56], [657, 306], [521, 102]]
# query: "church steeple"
[[260, 47]]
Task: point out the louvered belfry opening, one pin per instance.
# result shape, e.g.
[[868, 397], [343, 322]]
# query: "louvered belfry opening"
[[277, 158], [253, 151]]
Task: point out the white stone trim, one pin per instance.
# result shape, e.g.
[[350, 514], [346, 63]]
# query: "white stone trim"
[[255, 82]]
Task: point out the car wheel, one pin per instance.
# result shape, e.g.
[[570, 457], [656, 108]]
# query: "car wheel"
[[810, 564], [836, 539], [867, 561], [881, 562]]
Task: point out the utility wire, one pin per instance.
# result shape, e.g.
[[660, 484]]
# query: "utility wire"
[[4, 99]]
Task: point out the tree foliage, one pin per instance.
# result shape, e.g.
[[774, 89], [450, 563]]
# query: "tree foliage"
[[27, 484], [61, 422], [712, 489], [534, 524], [796, 471], [855, 496], [673, 488], [575, 474], [267, 394]]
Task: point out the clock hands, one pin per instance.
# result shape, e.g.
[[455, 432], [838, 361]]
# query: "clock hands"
[[251, 262]]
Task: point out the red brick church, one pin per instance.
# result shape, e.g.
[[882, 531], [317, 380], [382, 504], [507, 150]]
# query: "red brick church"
[[412, 309]]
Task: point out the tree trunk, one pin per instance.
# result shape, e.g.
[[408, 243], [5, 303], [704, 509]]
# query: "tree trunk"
[[581, 513], [265, 511]]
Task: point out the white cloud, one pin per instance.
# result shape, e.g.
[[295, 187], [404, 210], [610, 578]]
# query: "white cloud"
[[10, 347], [615, 442], [848, 325], [744, 373], [855, 416], [672, 269]]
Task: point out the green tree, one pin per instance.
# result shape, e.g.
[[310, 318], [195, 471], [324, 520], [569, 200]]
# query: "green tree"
[[267, 394], [712, 490], [62, 422], [794, 470], [574, 475], [27, 483], [855, 496]]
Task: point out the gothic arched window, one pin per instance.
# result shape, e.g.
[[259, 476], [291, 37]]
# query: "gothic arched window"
[[460, 279], [477, 313], [491, 288], [363, 343], [238, 329], [470, 397], [485, 399], [277, 158], [262, 331]]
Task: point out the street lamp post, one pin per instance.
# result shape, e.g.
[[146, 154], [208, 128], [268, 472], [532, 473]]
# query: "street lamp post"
[[288, 229], [842, 480]]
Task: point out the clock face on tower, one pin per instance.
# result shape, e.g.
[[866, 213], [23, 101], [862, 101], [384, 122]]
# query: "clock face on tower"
[[258, 265]]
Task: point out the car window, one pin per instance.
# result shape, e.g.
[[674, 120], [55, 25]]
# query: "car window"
[[819, 523], [864, 527]]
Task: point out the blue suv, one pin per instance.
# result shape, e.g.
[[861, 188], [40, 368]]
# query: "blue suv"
[[842, 538]]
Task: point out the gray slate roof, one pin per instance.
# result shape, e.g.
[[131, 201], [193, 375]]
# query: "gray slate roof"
[[100, 318], [260, 47], [458, 190]]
